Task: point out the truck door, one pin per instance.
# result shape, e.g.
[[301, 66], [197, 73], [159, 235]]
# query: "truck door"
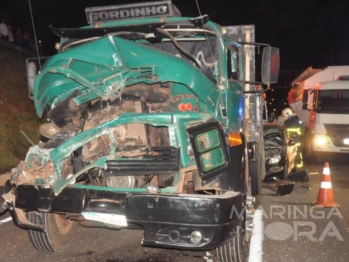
[[209, 148]]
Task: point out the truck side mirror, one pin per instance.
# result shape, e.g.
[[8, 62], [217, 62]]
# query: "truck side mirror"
[[270, 65]]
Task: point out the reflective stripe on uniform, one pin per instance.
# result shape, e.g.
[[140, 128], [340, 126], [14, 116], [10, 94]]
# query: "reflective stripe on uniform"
[[294, 130]]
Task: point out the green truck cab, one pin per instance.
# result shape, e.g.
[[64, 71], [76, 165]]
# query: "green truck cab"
[[154, 123]]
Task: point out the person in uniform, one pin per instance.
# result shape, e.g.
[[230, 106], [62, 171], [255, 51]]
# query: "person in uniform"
[[294, 129]]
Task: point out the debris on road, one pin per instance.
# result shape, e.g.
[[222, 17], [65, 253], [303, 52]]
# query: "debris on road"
[[5, 220]]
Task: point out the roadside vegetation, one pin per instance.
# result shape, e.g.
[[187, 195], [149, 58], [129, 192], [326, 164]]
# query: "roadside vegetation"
[[17, 112]]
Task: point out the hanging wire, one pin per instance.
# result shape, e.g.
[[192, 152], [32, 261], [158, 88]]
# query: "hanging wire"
[[36, 41], [216, 73], [208, 43]]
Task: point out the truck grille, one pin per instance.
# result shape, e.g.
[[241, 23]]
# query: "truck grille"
[[162, 160], [338, 133]]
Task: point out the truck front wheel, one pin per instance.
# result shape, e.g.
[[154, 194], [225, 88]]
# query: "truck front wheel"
[[59, 231], [256, 183], [256, 168], [235, 250], [309, 154]]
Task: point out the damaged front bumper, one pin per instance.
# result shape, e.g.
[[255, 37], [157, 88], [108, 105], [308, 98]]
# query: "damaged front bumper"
[[169, 220]]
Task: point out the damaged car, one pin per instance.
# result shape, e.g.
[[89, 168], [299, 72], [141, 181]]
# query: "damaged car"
[[280, 151]]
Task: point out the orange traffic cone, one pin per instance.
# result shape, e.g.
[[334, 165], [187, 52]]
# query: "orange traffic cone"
[[325, 197]]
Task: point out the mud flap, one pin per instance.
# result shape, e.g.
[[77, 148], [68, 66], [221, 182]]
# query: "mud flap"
[[281, 187]]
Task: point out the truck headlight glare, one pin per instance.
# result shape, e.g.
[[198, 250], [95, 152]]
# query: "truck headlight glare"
[[321, 140]]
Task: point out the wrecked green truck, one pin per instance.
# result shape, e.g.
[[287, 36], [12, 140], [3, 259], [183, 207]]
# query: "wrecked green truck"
[[154, 122]]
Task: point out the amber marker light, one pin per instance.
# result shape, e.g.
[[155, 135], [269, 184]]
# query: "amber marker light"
[[234, 139]]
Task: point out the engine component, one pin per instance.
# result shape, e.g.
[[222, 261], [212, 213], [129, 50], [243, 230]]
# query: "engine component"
[[121, 181]]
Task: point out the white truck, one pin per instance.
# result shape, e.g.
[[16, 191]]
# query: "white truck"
[[320, 98]]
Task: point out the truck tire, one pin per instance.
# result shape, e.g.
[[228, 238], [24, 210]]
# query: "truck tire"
[[256, 183], [59, 232], [235, 250], [308, 154]]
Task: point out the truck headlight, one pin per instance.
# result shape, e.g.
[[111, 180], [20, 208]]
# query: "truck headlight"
[[321, 140], [274, 160]]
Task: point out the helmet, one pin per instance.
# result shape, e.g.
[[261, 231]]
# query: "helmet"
[[287, 112]]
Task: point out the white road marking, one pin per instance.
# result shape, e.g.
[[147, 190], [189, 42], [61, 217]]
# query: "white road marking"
[[256, 247]]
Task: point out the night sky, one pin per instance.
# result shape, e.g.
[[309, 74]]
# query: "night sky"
[[308, 32]]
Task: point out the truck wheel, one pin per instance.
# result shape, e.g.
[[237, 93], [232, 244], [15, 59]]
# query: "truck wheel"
[[306, 149], [59, 232], [309, 155], [256, 183], [235, 250]]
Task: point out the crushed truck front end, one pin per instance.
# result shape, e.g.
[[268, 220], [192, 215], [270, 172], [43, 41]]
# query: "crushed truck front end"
[[147, 125], [152, 188], [144, 132]]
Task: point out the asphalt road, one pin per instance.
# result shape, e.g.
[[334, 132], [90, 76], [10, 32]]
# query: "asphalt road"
[[97, 245], [294, 230], [92, 244]]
